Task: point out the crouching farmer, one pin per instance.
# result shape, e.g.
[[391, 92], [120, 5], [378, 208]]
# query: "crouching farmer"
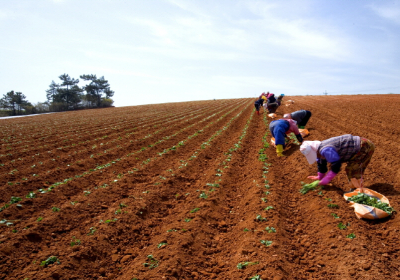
[[279, 129], [259, 103], [301, 117], [356, 151]]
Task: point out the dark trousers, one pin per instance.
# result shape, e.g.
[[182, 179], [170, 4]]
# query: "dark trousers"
[[305, 120]]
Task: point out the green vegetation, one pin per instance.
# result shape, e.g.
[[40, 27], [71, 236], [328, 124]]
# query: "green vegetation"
[[266, 242], [351, 236], [270, 229], [333, 206], [305, 188], [362, 198], [153, 263], [245, 264], [50, 260]]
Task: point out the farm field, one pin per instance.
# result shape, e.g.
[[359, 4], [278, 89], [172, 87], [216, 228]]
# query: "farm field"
[[191, 191]]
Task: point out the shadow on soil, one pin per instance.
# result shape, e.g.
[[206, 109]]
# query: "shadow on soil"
[[385, 189]]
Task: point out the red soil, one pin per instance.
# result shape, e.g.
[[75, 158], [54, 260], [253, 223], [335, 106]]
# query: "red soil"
[[127, 180]]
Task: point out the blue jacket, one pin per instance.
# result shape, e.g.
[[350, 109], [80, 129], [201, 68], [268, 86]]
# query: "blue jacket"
[[278, 130]]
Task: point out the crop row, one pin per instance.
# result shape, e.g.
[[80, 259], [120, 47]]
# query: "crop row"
[[102, 167], [89, 132], [92, 150]]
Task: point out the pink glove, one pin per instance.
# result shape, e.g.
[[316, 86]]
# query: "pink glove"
[[329, 176], [319, 177]]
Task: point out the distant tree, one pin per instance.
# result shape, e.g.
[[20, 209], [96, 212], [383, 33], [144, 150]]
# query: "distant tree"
[[52, 91], [98, 90], [15, 102]]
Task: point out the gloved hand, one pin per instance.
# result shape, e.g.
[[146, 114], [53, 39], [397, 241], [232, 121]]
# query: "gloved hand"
[[279, 150], [299, 138], [319, 177], [329, 176]]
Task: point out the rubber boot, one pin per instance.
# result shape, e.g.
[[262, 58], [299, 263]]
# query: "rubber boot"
[[258, 113]]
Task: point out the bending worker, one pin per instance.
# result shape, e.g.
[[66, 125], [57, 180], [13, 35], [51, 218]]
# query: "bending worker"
[[279, 129], [355, 150], [259, 103], [301, 117], [272, 104]]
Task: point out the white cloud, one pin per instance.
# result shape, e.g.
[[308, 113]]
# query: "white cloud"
[[391, 13]]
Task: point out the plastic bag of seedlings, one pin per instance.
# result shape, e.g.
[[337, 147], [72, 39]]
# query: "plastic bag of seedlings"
[[369, 204], [304, 132]]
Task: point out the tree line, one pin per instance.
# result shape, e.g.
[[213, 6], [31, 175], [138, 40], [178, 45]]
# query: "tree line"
[[63, 96]]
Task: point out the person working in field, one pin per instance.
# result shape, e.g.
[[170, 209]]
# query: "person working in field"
[[272, 104], [356, 151], [301, 117], [259, 103], [279, 129]]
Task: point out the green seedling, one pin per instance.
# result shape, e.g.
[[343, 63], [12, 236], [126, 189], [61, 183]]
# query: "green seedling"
[[119, 211], [255, 277], [213, 185], [329, 199], [86, 193], [39, 219], [246, 230], [92, 230], [261, 218], [270, 229], [335, 215], [266, 242], [161, 244], [351, 236], [269, 208], [342, 226], [153, 263], [320, 193], [245, 264], [187, 220], [31, 195], [171, 230], [194, 210], [55, 209], [50, 260], [122, 205], [111, 221], [5, 222], [74, 202], [264, 199], [75, 241], [333, 206], [14, 230], [15, 199], [203, 195]]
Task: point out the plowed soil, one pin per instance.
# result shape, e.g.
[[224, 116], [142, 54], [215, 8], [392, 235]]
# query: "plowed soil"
[[186, 191]]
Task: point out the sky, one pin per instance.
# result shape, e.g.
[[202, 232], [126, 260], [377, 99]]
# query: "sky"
[[160, 51]]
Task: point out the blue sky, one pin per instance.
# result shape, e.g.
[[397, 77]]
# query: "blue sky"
[[157, 51]]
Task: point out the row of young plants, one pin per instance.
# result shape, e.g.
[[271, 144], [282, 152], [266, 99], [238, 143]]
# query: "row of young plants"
[[161, 118], [64, 130], [92, 230], [63, 125], [260, 218], [150, 262], [195, 210], [120, 175], [102, 146]]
